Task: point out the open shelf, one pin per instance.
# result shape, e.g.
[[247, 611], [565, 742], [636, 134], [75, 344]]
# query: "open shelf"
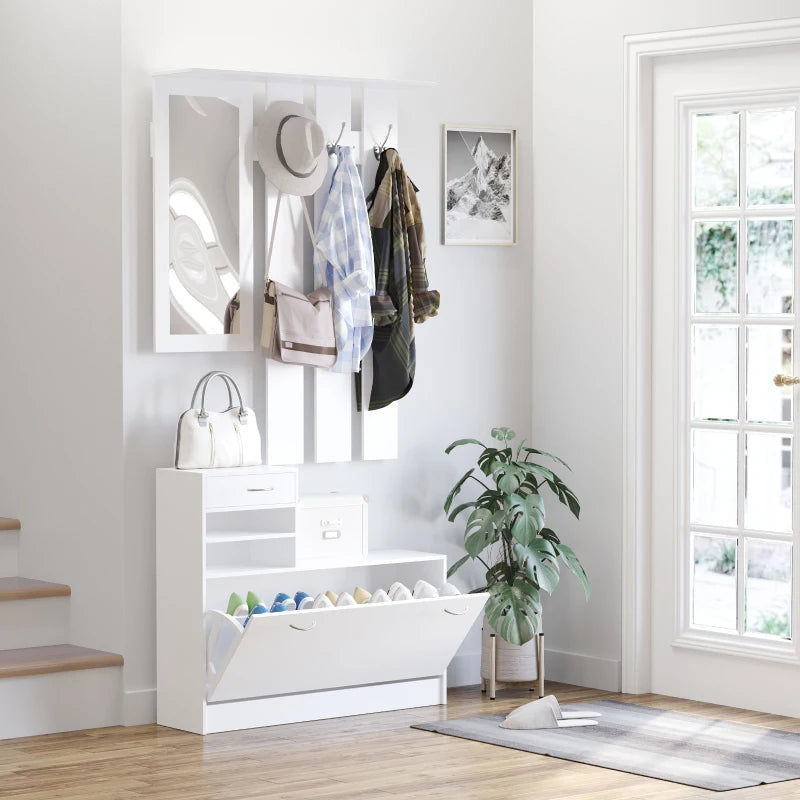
[[374, 558], [244, 536]]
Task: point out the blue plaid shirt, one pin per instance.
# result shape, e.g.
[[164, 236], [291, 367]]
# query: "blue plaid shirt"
[[343, 262]]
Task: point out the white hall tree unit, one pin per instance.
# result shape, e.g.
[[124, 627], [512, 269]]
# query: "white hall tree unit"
[[339, 432], [220, 531]]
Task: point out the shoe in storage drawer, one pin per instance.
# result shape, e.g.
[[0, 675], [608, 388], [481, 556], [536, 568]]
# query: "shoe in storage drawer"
[[328, 648], [250, 491], [331, 526]]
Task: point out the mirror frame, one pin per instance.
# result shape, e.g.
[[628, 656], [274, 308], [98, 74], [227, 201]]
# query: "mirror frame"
[[239, 94]]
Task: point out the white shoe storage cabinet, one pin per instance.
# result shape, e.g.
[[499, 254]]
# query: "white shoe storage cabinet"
[[220, 531]]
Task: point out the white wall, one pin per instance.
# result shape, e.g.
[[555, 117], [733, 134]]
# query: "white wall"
[[61, 301], [473, 368], [578, 286]]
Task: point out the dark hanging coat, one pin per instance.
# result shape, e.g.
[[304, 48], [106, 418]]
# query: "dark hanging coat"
[[401, 296]]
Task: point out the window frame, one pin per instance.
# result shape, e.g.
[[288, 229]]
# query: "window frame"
[[688, 635]]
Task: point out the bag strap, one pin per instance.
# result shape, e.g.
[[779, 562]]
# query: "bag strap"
[[204, 380], [230, 383], [275, 227]]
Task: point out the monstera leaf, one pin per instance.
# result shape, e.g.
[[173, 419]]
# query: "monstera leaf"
[[538, 562], [571, 560], [456, 489], [512, 610], [480, 531], [526, 513], [503, 434]]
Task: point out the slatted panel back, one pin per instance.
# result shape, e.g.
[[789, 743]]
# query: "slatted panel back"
[[379, 429], [333, 391], [285, 403]]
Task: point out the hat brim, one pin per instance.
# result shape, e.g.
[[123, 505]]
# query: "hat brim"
[[267, 152]]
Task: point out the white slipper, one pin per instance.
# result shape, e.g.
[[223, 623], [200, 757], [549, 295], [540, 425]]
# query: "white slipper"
[[380, 597], [398, 587], [540, 714], [448, 590], [561, 714], [423, 589], [345, 599], [403, 593], [322, 601]]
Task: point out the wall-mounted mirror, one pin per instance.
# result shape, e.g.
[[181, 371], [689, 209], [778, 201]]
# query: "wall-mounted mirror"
[[203, 215]]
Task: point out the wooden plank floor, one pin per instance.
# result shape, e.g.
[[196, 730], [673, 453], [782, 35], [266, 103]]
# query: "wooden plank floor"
[[375, 757]]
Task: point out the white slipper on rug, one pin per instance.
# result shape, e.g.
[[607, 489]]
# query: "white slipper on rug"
[[541, 714], [561, 714], [551, 700]]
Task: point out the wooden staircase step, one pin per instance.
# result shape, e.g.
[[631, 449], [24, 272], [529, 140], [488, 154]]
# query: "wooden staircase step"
[[30, 588], [54, 658], [8, 524]]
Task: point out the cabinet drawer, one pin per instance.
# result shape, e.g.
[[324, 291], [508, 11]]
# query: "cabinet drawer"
[[384, 642], [250, 491], [331, 531]]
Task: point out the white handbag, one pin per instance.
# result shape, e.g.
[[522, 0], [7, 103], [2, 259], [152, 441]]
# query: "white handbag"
[[208, 439]]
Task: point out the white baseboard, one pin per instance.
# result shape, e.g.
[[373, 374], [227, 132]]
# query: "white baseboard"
[[138, 707], [575, 668], [582, 670]]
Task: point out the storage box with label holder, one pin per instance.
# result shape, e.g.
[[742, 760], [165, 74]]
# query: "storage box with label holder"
[[331, 526]]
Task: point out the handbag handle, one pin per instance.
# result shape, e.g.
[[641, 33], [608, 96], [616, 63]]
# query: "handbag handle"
[[230, 383], [205, 379]]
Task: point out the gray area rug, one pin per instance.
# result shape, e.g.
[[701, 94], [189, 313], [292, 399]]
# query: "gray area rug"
[[682, 748]]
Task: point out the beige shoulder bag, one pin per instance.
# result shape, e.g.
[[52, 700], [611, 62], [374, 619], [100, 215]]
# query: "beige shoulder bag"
[[297, 328]]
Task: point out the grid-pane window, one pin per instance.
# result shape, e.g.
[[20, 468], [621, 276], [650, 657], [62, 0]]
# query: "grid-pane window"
[[740, 434]]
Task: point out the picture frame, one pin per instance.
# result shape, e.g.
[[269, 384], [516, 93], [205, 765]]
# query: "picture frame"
[[479, 185]]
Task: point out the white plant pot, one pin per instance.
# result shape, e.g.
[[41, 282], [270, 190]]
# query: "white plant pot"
[[514, 662]]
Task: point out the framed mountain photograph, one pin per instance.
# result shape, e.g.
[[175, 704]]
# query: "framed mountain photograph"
[[480, 185]]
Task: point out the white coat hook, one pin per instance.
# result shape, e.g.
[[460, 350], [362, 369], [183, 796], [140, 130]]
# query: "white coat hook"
[[379, 148], [332, 146]]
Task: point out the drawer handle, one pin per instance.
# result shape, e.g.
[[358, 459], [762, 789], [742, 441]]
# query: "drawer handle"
[[332, 534], [298, 628], [334, 523], [456, 613], [268, 489]]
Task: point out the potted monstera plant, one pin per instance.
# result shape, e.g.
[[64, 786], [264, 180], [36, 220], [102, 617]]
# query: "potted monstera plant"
[[506, 533]]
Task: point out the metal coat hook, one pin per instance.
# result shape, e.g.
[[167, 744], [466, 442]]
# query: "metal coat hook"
[[379, 148], [332, 147]]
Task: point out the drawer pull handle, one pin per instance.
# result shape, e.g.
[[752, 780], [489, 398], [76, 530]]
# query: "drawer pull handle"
[[456, 613], [333, 534], [268, 489], [298, 628]]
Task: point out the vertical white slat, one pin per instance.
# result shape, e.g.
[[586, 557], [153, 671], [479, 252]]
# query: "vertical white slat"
[[379, 429], [333, 391], [285, 409]]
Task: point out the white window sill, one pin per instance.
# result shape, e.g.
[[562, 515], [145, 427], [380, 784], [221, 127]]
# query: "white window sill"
[[782, 652]]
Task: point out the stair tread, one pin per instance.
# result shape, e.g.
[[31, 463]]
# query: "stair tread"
[[30, 588], [54, 658], [9, 524]]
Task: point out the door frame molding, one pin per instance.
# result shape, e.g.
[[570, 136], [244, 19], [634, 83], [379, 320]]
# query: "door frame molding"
[[640, 52]]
